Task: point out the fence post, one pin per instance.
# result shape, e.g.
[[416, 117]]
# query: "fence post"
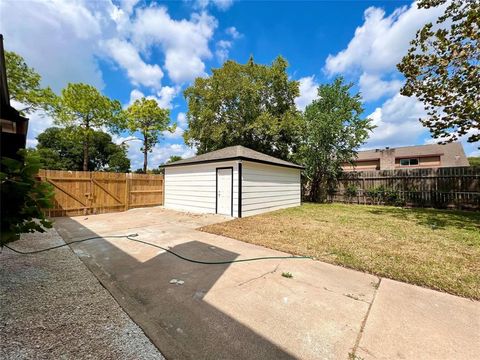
[[363, 191], [89, 202], [127, 191]]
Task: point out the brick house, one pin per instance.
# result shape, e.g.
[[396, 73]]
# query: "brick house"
[[420, 156]]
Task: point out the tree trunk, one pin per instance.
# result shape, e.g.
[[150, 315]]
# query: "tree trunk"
[[145, 160], [145, 152], [314, 190], [85, 147], [317, 191]]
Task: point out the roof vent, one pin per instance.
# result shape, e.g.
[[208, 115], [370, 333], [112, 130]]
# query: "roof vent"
[[386, 148]]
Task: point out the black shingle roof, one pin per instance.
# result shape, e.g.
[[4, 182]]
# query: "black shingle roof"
[[235, 153]]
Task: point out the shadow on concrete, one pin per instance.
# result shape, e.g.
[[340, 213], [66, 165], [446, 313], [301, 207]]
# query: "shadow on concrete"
[[174, 317]]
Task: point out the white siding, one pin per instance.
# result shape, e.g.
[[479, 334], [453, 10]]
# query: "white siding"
[[268, 187], [193, 187]]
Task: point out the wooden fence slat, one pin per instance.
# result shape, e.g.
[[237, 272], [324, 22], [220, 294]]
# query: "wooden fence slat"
[[457, 187], [103, 191], [59, 187], [107, 191], [144, 191]]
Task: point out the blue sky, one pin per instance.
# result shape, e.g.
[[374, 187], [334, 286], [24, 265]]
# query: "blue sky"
[[137, 48]]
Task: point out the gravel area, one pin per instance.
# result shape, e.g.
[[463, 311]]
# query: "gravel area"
[[52, 307]]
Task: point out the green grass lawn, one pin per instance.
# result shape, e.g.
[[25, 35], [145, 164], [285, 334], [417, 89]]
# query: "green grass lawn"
[[439, 249]]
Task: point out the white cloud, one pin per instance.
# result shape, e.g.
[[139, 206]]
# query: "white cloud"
[[184, 42], [137, 70], [397, 123], [381, 42], [371, 56], [182, 124], [178, 133], [164, 96], [63, 40], [372, 87], [222, 47], [220, 4], [128, 5], [308, 92], [233, 32], [58, 39], [182, 120], [222, 50], [159, 154]]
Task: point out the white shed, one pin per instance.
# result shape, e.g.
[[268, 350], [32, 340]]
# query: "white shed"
[[234, 181]]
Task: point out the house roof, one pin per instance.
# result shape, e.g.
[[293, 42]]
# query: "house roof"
[[235, 153], [452, 153]]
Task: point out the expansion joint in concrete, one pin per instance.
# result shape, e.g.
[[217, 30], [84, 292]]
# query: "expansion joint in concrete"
[[364, 321]]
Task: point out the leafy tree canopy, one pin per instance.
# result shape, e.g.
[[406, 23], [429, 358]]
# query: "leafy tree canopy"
[[173, 158], [24, 85], [244, 104], [474, 161], [62, 149], [82, 106], [332, 132], [146, 117], [442, 70]]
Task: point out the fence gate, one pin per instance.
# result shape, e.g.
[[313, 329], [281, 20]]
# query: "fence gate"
[[85, 192]]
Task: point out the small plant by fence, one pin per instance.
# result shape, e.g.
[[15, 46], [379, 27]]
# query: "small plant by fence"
[[85, 192], [455, 187]]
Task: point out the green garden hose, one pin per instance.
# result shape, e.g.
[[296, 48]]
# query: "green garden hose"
[[131, 238]]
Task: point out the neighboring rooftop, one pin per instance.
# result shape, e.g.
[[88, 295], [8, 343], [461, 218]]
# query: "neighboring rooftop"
[[235, 153], [416, 150], [433, 155]]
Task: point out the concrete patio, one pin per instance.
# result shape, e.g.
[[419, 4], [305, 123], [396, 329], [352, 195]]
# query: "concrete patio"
[[248, 310]]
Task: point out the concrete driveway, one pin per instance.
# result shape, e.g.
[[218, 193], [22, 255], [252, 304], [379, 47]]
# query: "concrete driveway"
[[248, 310]]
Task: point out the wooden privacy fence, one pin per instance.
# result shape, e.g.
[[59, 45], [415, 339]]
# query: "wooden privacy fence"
[[85, 192], [456, 187]]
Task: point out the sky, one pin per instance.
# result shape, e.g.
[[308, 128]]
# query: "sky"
[[134, 48]]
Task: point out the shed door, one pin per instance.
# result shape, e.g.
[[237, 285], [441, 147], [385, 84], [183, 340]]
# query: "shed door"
[[224, 191]]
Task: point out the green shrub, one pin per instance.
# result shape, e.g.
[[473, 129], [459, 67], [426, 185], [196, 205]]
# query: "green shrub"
[[375, 195], [23, 197], [392, 197], [381, 195], [351, 192]]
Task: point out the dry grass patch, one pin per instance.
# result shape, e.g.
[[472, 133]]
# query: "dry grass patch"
[[439, 249]]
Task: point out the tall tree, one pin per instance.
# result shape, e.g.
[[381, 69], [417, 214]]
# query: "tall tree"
[[84, 107], [62, 149], [24, 85], [147, 118], [442, 69], [332, 132], [244, 104]]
